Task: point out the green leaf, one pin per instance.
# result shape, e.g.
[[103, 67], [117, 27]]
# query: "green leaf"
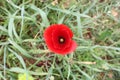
[[105, 34], [23, 51], [19, 57], [43, 15], [20, 70]]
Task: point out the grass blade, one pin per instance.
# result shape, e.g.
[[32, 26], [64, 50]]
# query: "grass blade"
[[23, 51]]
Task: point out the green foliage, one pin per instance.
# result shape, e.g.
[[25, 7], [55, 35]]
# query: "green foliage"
[[104, 35], [96, 27]]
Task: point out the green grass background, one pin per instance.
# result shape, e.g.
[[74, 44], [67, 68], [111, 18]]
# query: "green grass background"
[[96, 28]]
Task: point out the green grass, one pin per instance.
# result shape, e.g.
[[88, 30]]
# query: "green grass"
[[96, 28]]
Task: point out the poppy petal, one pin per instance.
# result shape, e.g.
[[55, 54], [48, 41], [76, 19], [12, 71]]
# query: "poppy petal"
[[58, 38], [69, 49]]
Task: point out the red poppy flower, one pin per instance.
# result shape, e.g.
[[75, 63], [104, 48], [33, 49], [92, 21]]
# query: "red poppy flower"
[[58, 38]]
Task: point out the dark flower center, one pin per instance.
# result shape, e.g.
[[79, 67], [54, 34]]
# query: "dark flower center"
[[61, 40]]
